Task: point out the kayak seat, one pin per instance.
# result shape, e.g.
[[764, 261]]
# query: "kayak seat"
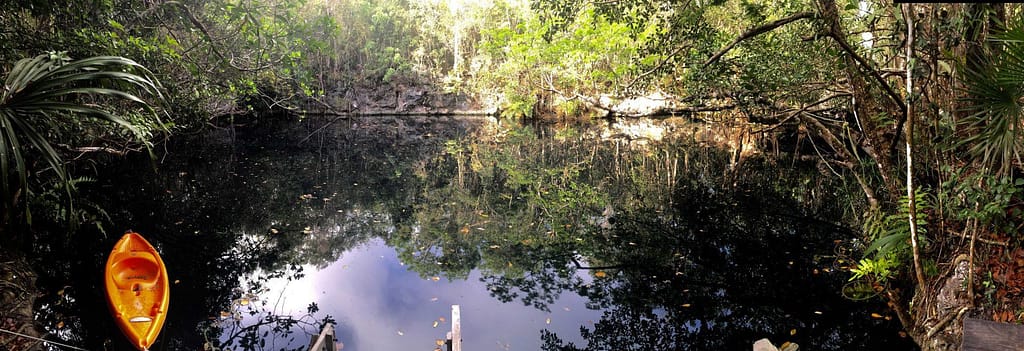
[[135, 271]]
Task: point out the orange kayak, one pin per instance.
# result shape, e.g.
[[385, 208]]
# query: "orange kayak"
[[137, 289]]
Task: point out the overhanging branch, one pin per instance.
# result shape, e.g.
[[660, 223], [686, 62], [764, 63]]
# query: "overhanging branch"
[[753, 32]]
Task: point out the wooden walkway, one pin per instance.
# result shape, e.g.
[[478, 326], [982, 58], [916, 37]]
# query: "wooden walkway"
[[326, 340], [984, 335]]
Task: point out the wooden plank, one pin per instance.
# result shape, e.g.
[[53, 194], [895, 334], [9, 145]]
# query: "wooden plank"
[[456, 328], [984, 335], [325, 342]]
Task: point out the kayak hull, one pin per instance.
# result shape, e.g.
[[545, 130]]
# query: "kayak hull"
[[137, 289]]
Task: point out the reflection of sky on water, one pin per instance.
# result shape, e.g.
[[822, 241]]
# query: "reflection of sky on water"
[[374, 297]]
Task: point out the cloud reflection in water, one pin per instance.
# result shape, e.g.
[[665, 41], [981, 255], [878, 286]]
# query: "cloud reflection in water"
[[380, 305]]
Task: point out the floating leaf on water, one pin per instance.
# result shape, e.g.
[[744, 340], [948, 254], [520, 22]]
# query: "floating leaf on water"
[[273, 231], [243, 301], [685, 305], [495, 246], [547, 321], [400, 333], [435, 278], [307, 230], [792, 331], [818, 312], [903, 334], [60, 324], [176, 281], [566, 309], [785, 344], [876, 315], [439, 342], [441, 319], [225, 314], [433, 299], [888, 318], [435, 324], [600, 274]]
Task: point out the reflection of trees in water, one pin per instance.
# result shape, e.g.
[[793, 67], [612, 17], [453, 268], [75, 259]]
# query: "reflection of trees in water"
[[224, 206], [726, 258], [634, 229]]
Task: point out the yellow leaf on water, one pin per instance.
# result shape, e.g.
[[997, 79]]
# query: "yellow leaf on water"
[[876, 315], [784, 345], [439, 342], [792, 331], [685, 305], [435, 278], [60, 324], [243, 301], [600, 274], [225, 314]]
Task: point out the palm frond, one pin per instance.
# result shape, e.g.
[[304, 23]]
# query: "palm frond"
[[40, 94], [994, 96]]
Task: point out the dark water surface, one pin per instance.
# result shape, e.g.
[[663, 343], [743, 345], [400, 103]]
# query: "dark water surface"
[[548, 238]]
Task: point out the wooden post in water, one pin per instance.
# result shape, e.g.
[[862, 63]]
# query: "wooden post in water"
[[456, 336]]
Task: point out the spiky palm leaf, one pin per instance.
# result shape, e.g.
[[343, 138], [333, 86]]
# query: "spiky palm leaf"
[[40, 94], [995, 98]]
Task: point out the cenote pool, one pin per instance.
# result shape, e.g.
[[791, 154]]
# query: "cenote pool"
[[571, 237]]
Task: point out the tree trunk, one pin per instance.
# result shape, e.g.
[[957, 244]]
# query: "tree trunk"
[[867, 105], [908, 15]]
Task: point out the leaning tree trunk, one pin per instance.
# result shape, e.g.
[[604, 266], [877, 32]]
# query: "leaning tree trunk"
[[861, 75]]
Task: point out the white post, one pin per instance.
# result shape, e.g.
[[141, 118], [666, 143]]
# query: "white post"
[[456, 329]]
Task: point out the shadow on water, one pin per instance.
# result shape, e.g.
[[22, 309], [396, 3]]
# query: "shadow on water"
[[676, 250]]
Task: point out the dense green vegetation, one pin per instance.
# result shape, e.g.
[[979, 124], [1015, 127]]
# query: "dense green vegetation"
[[919, 105]]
